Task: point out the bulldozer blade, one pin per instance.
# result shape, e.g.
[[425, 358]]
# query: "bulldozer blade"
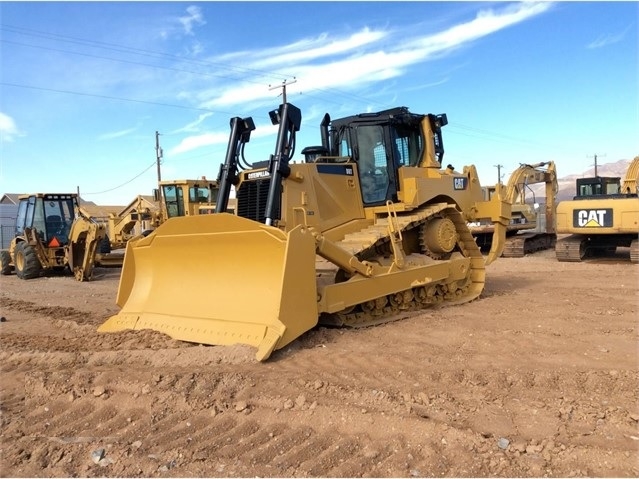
[[220, 279]]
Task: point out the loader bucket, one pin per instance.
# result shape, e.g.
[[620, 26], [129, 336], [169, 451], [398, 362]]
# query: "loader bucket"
[[219, 279]]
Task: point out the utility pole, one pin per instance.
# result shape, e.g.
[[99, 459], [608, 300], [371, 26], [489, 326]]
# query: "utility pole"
[[158, 159], [595, 156], [499, 167], [283, 86]]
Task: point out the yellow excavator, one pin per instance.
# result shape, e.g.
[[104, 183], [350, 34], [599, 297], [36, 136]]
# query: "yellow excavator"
[[368, 227], [603, 216], [52, 233], [530, 229]]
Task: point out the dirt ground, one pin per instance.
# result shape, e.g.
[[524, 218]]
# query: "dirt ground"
[[538, 377]]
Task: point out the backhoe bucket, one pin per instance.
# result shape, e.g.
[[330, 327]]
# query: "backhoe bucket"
[[220, 279]]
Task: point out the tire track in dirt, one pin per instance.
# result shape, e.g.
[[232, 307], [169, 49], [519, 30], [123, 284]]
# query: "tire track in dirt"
[[52, 312]]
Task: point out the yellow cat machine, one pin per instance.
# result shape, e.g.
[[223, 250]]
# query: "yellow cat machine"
[[124, 227], [366, 229], [188, 197], [602, 216], [530, 229], [52, 234], [175, 198]]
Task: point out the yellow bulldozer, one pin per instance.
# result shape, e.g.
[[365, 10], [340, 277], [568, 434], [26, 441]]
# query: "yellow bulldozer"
[[603, 216], [52, 233], [368, 227], [530, 229]]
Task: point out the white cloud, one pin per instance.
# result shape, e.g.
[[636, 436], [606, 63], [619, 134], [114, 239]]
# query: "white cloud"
[[307, 50], [193, 126], [116, 134], [608, 39], [350, 62], [194, 16], [485, 23], [349, 67], [198, 141], [217, 138], [8, 129], [183, 25]]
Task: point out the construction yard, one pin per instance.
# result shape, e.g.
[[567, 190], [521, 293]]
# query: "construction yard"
[[538, 377]]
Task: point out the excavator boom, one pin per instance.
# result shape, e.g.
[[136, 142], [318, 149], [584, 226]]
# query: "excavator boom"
[[529, 229]]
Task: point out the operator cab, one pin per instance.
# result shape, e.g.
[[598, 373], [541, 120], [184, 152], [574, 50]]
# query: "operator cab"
[[51, 215], [598, 186], [381, 143]]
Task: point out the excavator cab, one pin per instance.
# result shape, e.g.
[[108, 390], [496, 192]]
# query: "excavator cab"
[[597, 186]]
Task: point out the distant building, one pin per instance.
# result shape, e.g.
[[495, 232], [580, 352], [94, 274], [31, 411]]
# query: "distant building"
[[8, 214]]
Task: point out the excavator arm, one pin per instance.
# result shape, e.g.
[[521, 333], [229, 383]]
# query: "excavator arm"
[[630, 183], [84, 236]]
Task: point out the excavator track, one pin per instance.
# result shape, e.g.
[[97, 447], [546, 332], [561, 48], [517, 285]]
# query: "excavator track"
[[526, 243], [571, 248], [373, 244], [634, 251]]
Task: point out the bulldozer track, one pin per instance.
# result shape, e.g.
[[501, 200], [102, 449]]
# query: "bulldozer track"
[[367, 245]]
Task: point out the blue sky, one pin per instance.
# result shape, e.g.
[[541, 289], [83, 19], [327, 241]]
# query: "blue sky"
[[84, 86]]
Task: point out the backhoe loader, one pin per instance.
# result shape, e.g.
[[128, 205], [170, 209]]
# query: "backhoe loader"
[[52, 234], [602, 216], [368, 228], [530, 229]]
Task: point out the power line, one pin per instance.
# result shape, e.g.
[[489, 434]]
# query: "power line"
[[469, 130], [153, 54], [131, 62], [107, 97], [131, 50], [123, 184]]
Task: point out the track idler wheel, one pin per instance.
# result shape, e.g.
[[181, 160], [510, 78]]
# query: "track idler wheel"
[[439, 237]]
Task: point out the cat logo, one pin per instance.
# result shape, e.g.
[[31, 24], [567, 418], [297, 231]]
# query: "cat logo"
[[599, 218], [460, 183]]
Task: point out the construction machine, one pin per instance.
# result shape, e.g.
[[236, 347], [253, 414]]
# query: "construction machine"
[[52, 234], [122, 227], [603, 216], [368, 228], [187, 197], [175, 198], [530, 229]]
